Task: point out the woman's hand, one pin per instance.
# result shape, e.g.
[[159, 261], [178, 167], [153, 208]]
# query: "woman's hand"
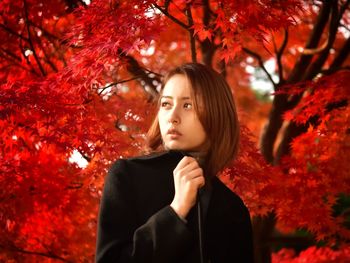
[[188, 178]]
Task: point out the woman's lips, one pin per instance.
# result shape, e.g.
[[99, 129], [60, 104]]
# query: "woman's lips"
[[173, 134]]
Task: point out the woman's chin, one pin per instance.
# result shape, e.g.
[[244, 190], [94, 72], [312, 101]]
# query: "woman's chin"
[[175, 146], [178, 148]]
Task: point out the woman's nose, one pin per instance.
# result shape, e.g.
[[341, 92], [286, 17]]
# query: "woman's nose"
[[174, 116]]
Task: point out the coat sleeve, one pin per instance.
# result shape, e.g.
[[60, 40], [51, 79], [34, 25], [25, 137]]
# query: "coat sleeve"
[[119, 237]]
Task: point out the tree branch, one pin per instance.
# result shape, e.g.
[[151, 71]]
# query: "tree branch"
[[261, 64], [30, 40], [174, 19], [74, 185], [331, 71], [9, 56], [293, 130], [206, 12], [208, 48], [272, 127], [191, 32], [116, 83], [316, 66], [47, 58], [9, 30], [87, 158], [21, 48], [341, 57], [44, 31], [279, 53], [41, 254], [315, 36], [136, 70], [343, 9], [152, 72], [53, 39], [345, 26]]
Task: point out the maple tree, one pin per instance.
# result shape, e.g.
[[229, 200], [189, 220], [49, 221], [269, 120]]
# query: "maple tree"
[[84, 78]]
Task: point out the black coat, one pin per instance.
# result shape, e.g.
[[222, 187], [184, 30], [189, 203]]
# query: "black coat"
[[137, 224]]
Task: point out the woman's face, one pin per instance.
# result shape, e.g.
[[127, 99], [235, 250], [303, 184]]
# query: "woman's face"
[[178, 121]]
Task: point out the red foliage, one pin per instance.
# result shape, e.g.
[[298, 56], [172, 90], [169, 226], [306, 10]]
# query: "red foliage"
[[313, 255], [66, 86], [318, 168]]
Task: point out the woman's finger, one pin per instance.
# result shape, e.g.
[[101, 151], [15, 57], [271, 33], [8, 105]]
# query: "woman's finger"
[[198, 181], [198, 172], [189, 167], [186, 160]]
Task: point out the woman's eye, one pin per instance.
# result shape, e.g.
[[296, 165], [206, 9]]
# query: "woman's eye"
[[164, 104], [188, 105]]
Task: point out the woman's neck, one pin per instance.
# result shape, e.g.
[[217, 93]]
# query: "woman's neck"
[[199, 156]]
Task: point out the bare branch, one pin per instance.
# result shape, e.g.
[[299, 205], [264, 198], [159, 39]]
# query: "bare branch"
[[206, 12], [152, 72], [9, 30], [332, 70], [342, 56], [316, 66], [343, 9], [16, 60], [47, 58], [30, 40], [53, 39], [116, 83], [279, 53], [191, 32], [261, 64], [44, 31], [21, 48], [174, 19], [315, 36], [345, 26], [313, 51], [87, 158], [166, 4], [207, 7], [208, 48], [293, 129], [75, 185], [11, 54], [135, 69], [14, 248]]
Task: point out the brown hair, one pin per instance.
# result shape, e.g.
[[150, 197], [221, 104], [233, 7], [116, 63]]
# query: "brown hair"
[[218, 116]]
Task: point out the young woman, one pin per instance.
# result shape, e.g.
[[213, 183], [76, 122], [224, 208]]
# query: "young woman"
[[169, 206]]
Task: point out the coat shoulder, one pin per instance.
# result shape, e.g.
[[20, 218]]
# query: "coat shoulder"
[[149, 156], [232, 199], [150, 163], [136, 159], [156, 158]]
